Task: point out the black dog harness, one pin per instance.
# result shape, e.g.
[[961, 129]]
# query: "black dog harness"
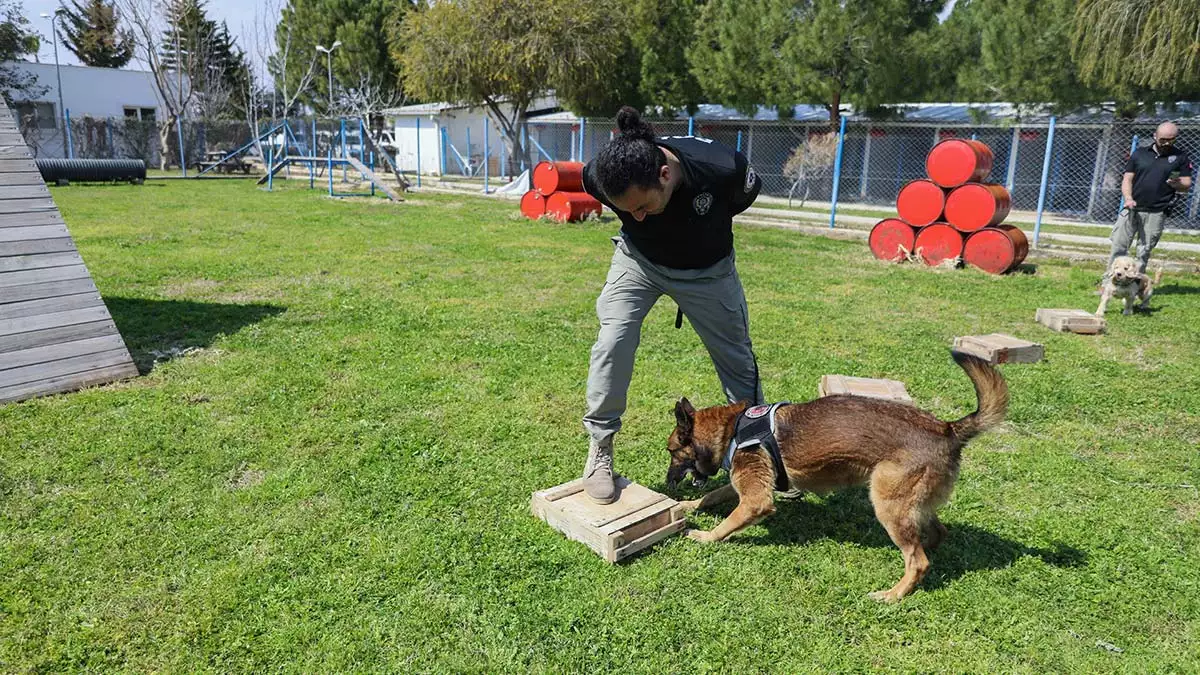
[[756, 428]]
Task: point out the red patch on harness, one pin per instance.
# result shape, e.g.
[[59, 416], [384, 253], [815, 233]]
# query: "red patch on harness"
[[758, 411]]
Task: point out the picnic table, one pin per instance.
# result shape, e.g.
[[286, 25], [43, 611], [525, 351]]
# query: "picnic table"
[[217, 159]]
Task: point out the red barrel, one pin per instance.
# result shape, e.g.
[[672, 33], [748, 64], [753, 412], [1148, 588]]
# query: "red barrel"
[[955, 161], [892, 239], [975, 206], [551, 177], [533, 204], [938, 242], [571, 206], [996, 249], [921, 202]]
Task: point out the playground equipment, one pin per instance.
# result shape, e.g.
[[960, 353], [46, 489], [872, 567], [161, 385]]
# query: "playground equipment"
[[56, 334]]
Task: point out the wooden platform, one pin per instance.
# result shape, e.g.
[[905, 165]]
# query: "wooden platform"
[[1000, 348], [640, 517], [863, 386], [56, 335], [1070, 320]]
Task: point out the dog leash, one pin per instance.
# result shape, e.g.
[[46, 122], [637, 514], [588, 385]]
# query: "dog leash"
[[679, 318]]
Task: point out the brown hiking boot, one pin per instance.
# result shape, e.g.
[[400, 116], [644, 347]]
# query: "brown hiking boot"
[[598, 473]]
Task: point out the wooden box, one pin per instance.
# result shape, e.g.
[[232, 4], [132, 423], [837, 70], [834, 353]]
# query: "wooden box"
[[640, 517], [1000, 348], [1073, 320], [863, 386]]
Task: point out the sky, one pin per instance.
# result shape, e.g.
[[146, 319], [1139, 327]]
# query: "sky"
[[239, 14]]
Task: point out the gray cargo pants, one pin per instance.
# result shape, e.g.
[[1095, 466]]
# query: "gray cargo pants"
[[1148, 227], [715, 305]]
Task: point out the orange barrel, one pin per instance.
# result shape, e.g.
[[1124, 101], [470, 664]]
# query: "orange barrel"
[[996, 249], [938, 242], [921, 202], [533, 204], [551, 177], [955, 161], [892, 239], [974, 206], [571, 206]]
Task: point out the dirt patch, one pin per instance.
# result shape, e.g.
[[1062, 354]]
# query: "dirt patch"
[[193, 286], [244, 477]]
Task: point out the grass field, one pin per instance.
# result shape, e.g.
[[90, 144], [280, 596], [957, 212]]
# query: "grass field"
[[345, 406]]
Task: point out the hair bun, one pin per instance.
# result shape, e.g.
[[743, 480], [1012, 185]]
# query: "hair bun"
[[630, 123]]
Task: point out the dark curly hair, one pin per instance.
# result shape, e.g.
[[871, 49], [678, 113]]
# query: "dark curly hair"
[[631, 157]]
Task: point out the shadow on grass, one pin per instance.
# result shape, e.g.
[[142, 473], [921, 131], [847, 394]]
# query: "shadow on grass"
[[848, 516], [1176, 289], [156, 331]]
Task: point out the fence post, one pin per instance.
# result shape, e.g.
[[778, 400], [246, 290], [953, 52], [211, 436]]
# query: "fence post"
[[582, 137], [691, 125], [739, 141], [442, 150], [270, 167], [750, 143], [112, 148], [179, 134], [1132, 149], [524, 144], [837, 171], [503, 167], [486, 152], [342, 120], [1098, 168], [1012, 159], [472, 172], [330, 162], [1037, 225], [418, 151]]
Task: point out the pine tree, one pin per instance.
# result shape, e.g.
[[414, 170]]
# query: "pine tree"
[[91, 30]]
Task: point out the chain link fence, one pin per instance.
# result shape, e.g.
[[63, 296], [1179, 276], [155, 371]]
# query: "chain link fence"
[[1075, 170]]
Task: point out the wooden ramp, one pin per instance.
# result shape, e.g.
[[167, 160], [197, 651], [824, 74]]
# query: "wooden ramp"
[[362, 168], [56, 335]]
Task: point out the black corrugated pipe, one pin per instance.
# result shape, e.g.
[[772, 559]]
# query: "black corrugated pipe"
[[56, 170]]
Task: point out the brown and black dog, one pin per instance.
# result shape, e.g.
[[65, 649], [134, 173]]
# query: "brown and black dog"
[[909, 458]]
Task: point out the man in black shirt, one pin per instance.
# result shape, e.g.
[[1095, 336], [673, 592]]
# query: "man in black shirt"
[[676, 197], [1154, 175]]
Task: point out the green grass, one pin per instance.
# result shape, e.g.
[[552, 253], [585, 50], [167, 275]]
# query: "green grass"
[[338, 477]]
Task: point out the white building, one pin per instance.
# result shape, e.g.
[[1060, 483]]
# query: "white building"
[[86, 92]]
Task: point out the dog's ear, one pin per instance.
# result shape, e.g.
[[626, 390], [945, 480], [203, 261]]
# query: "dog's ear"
[[684, 414]]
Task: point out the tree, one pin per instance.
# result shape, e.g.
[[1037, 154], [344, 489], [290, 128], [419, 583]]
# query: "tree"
[[827, 52], [362, 28], [661, 31], [204, 51], [503, 54], [16, 40], [1138, 43], [92, 32]]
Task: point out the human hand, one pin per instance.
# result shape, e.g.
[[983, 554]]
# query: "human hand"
[[1129, 203]]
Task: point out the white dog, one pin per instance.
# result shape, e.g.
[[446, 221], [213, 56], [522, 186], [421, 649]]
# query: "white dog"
[[1125, 281]]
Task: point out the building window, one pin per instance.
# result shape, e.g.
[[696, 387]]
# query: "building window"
[[143, 114], [37, 113]]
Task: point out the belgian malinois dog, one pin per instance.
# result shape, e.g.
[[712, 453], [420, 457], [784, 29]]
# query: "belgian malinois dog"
[[908, 457]]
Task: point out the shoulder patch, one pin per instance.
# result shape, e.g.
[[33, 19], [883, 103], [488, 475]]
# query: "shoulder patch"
[[702, 203], [750, 177], [757, 411]]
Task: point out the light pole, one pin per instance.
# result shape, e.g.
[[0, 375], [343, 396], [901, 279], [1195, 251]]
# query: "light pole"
[[62, 111], [329, 68]]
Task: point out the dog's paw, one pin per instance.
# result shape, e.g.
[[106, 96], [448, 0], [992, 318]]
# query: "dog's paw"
[[702, 536], [885, 596], [1127, 312]]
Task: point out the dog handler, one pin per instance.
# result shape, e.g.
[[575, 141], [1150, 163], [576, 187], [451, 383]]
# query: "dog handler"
[[1153, 176], [676, 197]]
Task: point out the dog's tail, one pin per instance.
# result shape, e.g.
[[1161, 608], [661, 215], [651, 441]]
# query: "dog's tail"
[[992, 391]]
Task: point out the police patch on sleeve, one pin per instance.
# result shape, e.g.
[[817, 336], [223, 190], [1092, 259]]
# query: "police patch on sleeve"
[[750, 176], [702, 203]]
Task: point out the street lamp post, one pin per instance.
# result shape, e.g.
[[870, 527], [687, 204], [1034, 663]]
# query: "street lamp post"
[[329, 67], [62, 111]]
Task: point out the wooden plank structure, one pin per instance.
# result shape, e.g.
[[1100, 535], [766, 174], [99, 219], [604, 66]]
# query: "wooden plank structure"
[[56, 335], [640, 517], [890, 390], [1070, 320], [1000, 348]]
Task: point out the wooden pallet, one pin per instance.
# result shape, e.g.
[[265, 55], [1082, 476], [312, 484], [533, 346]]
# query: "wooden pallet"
[[1000, 348], [640, 517], [863, 386], [1072, 320]]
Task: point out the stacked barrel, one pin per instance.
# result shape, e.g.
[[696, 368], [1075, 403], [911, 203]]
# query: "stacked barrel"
[[953, 214], [558, 192]]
